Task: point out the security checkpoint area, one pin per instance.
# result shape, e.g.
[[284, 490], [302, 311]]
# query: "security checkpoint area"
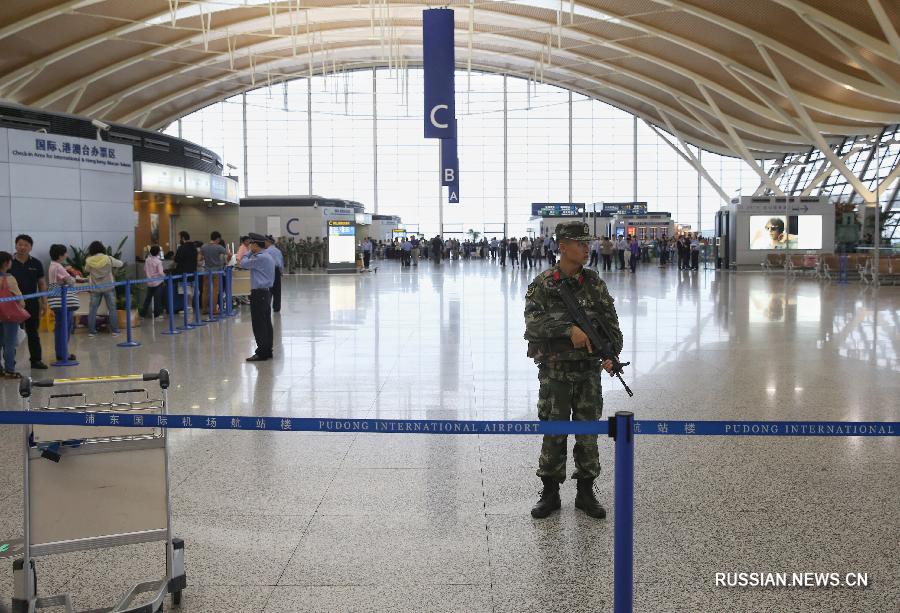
[[490, 423]]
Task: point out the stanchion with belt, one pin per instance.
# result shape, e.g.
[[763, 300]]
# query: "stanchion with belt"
[[170, 306]]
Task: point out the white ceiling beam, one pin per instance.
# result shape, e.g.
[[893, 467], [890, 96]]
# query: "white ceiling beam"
[[131, 116], [827, 72], [41, 16], [813, 130], [737, 143], [886, 182], [828, 169], [873, 44], [846, 47], [890, 33], [280, 44], [687, 155], [322, 15], [74, 48], [74, 103], [563, 77], [754, 89]]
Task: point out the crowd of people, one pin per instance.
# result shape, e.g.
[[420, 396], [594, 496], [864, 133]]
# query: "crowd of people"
[[22, 274], [620, 253]]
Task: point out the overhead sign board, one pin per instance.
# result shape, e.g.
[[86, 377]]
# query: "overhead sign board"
[[31, 148], [625, 208], [557, 209], [164, 179]]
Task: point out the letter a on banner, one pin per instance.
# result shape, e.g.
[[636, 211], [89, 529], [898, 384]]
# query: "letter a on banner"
[[439, 59], [453, 193]]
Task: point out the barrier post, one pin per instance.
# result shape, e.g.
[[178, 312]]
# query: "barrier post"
[[64, 316], [129, 342], [229, 296], [197, 322], [622, 431], [184, 303], [170, 306], [210, 317]]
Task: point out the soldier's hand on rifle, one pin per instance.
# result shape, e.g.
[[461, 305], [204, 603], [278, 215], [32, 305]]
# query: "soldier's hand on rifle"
[[608, 367], [580, 339]]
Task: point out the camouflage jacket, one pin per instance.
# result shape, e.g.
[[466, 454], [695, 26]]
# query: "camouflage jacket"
[[548, 323]]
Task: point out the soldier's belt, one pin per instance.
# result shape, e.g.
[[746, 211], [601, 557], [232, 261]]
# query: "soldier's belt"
[[571, 366]]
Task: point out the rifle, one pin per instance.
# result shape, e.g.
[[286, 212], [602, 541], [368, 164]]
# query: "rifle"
[[601, 345]]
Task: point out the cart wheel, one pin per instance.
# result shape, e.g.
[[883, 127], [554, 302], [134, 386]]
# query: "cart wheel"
[[176, 597]]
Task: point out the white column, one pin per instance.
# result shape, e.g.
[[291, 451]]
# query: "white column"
[[634, 175], [375, 137], [699, 186], [505, 158], [246, 171], [570, 146], [309, 132]]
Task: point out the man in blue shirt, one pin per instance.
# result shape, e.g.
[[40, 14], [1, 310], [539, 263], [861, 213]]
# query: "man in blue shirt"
[[261, 265], [278, 258]]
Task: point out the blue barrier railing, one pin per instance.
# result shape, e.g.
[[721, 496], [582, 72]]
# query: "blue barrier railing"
[[623, 428], [64, 291]]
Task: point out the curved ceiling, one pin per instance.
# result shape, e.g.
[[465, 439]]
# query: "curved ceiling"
[[750, 79]]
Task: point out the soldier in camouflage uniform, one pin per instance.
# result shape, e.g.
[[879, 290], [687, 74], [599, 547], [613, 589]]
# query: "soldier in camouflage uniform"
[[305, 252], [290, 255], [317, 253], [568, 372]]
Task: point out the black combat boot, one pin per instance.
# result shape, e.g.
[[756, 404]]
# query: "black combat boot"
[[586, 501], [549, 501]]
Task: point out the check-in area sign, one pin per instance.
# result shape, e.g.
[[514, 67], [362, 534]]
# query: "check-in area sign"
[[439, 59]]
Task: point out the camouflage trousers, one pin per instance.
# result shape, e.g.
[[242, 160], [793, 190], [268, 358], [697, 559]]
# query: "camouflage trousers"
[[564, 396]]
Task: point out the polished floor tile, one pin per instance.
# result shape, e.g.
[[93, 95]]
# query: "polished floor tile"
[[289, 522]]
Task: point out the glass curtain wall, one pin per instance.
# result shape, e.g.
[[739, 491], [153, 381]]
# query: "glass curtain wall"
[[344, 148]]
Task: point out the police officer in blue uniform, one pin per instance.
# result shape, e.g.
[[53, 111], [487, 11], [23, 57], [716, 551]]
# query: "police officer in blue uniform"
[[262, 268]]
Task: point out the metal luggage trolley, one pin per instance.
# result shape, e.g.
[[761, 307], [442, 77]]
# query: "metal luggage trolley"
[[89, 488]]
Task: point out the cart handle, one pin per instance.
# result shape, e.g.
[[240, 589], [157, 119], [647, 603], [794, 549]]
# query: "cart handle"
[[27, 383]]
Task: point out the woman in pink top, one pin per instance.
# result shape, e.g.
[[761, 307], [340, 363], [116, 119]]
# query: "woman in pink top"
[[153, 269], [59, 277]]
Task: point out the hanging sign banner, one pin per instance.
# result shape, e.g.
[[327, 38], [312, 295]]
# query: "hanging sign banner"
[[449, 162], [439, 59]]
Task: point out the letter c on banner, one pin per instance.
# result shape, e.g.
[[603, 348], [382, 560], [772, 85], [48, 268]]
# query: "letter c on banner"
[[288, 226], [434, 120]]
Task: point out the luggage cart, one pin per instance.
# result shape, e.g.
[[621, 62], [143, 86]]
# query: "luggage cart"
[[91, 488]]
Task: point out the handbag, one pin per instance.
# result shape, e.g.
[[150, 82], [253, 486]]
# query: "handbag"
[[11, 312]]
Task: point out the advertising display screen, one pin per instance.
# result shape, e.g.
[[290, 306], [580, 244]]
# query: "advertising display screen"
[[809, 231], [341, 242], [768, 232]]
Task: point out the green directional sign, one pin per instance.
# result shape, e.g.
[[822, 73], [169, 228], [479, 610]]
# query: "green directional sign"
[[4, 547]]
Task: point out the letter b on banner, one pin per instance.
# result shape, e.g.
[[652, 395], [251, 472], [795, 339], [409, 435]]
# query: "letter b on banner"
[[439, 60]]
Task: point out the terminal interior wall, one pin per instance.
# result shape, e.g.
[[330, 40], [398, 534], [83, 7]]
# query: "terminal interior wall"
[[60, 202]]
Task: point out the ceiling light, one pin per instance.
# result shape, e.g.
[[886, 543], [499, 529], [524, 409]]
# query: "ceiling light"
[[221, 203], [138, 191], [207, 200], [191, 197]]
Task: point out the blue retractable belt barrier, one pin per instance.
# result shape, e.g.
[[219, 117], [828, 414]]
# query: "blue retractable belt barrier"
[[448, 426]]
